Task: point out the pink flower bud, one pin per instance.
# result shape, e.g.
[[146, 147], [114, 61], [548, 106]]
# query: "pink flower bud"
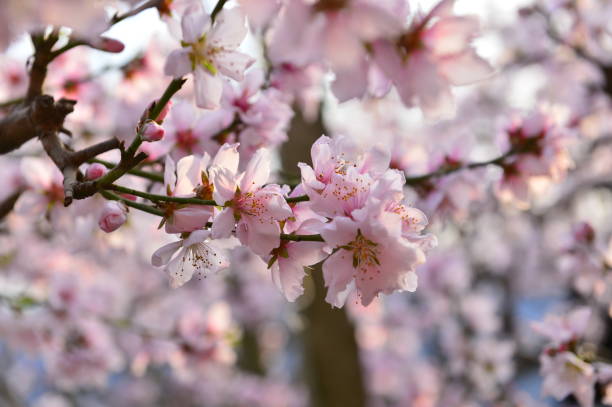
[[152, 131], [108, 45], [162, 115], [95, 171], [113, 216]]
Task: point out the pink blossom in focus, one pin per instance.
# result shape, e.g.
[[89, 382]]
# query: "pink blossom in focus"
[[255, 208]]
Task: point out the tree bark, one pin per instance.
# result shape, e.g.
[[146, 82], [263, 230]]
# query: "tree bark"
[[331, 355]]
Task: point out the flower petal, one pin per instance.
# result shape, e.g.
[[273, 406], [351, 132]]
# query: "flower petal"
[[208, 89], [163, 254], [223, 224], [338, 274], [178, 63]]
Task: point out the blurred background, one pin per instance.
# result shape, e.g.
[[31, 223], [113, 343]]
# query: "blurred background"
[[85, 320]]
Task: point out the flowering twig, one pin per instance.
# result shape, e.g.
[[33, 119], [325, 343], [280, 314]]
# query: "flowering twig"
[[129, 158], [136, 205], [182, 200], [445, 170], [152, 176], [144, 6]]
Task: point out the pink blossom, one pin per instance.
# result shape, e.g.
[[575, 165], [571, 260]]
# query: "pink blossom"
[[87, 358], [341, 176], [289, 260], [45, 186], [255, 208], [433, 54], [189, 132], [564, 374], [372, 256], [206, 335], [187, 178], [541, 147], [563, 329], [114, 214], [209, 49]]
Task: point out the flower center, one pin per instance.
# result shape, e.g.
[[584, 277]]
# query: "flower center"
[[365, 253], [202, 54]]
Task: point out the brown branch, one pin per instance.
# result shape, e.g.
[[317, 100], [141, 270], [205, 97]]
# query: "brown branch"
[[7, 205], [158, 4]]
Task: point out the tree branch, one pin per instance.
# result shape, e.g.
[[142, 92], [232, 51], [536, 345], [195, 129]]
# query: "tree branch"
[[7, 205], [147, 5], [445, 170]]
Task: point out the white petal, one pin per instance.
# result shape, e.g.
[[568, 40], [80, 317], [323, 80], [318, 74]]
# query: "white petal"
[[195, 23], [178, 63], [233, 64], [208, 89], [197, 236], [163, 254], [180, 269], [229, 29]]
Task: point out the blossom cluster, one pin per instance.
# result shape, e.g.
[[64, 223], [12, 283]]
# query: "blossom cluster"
[[371, 240]]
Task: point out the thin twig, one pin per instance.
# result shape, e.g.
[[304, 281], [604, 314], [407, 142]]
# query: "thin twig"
[[153, 176]]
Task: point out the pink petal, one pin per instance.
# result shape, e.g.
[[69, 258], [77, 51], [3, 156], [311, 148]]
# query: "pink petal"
[[227, 157], [257, 171], [224, 183], [451, 35], [223, 224], [338, 273], [465, 68], [340, 231], [260, 237], [352, 82]]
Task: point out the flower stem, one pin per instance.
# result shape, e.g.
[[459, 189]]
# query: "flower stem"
[[136, 205], [153, 176]]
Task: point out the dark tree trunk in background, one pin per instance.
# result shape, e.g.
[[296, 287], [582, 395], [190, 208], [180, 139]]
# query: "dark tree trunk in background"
[[331, 356]]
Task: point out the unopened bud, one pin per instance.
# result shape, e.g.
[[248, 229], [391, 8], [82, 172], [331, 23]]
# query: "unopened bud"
[[108, 45], [113, 216], [95, 171], [152, 131]]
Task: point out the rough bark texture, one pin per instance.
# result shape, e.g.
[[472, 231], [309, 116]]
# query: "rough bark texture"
[[331, 355]]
